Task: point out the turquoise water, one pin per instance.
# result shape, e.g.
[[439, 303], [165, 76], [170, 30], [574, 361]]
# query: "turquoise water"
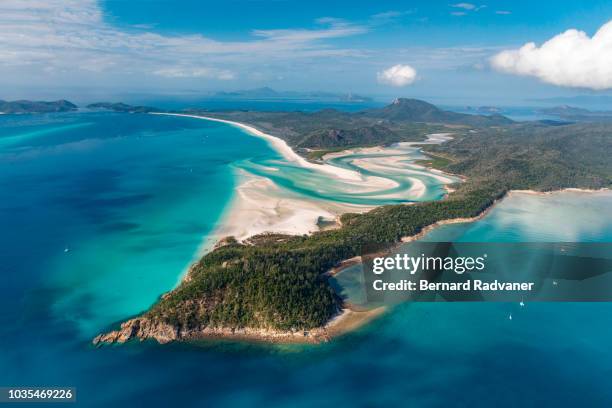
[[100, 214], [318, 185], [561, 217], [103, 211], [521, 218]]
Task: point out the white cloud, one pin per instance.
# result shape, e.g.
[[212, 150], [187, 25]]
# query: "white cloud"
[[70, 39], [465, 6], [503, 12], [389, 16], [571, 59], [443, 59], [178, 72], [337, 29], [398, 75]]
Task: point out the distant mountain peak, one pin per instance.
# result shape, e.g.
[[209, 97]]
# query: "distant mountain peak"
[[416, 110], [265, 89], [412, 103]]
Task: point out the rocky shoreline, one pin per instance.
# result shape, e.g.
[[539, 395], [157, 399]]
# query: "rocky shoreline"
[[143, 328]]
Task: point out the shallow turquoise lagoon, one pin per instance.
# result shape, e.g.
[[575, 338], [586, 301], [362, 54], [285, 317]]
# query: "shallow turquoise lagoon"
[[100, 213]]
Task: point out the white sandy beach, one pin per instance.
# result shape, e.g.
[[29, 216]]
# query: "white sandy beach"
[[394, 162], [260, 205], [282, 147]]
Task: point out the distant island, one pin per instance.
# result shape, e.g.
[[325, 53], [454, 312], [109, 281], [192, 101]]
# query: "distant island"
[[121, 107], [24, 106], [269, 93], [585, 100], [27, 106], [275, 287], [572, 113], [485, 109]]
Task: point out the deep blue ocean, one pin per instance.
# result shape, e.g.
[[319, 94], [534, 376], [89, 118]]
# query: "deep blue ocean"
[[101, 213]]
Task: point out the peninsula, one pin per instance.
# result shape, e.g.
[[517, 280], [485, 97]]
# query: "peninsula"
[[274, 287]]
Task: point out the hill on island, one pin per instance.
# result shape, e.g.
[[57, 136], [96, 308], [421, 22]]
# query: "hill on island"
[[403, 120], [279, 283], [415, 110], [276, 283], [25, 106]]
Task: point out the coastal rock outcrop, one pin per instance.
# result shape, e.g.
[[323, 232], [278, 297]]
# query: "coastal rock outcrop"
[[143, 328], [140, 328]]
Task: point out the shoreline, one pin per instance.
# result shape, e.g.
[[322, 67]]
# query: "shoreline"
[[346, 263], [260, 206], [141, 328], [346, 321], [563, 190], [256, 206], [277, 144], [490, 208], [294, 224]]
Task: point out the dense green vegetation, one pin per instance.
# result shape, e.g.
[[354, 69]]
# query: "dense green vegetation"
[[122, 107], [414, 110], [404, 120], [317, 155], [533, 156], [328, 128], [435, 160], [277, 281]]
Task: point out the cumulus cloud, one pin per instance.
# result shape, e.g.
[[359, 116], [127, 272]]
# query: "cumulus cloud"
[[571, 59], [398, 75]]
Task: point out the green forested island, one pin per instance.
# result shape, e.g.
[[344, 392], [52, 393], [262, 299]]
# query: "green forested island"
[[278, 282], [121, 107], [25, 106]]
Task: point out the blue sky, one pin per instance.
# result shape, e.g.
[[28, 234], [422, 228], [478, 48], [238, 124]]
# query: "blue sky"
[[426, 23], [445, 51]]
